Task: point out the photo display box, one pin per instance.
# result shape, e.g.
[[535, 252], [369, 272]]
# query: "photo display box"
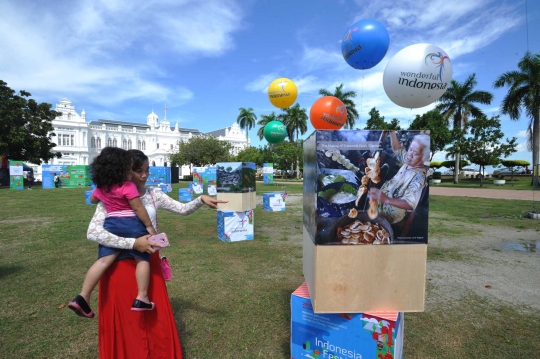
[[206, 175], [197, 188], [274, 201], [377, 335], [341, 167], [236, 177], [185, 195], [235, 226]]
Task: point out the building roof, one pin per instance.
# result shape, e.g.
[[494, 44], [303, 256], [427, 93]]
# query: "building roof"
[[136, 124], [217, 133]]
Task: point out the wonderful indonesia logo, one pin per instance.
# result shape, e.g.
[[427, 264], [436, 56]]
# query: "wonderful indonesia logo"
[[281, 92], [428, 80]]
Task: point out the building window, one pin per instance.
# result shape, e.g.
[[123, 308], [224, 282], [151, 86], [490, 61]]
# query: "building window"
[[144, 145], [109, 142], [73, 140], [93, 142], [139, 145], [124, 144], [129, 144], [171, 147], [157, 146], [115, 143], [98, 142]]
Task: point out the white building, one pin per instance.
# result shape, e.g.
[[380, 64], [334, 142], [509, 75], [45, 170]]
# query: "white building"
[[80, 141]]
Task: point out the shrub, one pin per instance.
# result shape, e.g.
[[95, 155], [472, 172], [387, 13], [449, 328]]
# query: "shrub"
[[437, 175]]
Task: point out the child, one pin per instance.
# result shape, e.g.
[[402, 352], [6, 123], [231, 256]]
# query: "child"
[[127, 217]]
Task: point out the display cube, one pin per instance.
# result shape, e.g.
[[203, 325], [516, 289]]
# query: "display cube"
[[197, 188], [235, 226], [185, 195], [365, 278], [377, 335], [236, 177], [342, 167], [268, 173], [88, 194], [237, 202], [274, 201], [212, 191]]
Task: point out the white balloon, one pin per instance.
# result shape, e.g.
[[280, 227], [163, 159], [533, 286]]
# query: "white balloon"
[[417, 75]]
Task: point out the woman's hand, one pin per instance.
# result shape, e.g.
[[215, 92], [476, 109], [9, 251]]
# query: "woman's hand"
[[377, 194], [211, 202], [142, 245]]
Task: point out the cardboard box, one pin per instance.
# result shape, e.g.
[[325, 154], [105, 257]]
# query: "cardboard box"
[[274, 201], [365, 278], [236, 177], [339, 171], [185, 195], [377, 335], [237, 202], [235, 226]]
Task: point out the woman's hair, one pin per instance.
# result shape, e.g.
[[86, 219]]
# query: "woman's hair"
[[424, 140], [110, 167], [138, 159]]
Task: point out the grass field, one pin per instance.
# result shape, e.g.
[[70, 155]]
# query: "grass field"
[[231, 300]]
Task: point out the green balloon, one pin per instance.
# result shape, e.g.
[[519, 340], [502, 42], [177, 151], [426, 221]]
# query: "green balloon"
[[275, 131]]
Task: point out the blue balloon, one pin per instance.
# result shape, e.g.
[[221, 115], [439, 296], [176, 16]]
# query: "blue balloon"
[[365, 43]]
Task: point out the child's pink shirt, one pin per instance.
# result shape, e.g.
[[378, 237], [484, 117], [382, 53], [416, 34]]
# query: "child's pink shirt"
[[117, 199]]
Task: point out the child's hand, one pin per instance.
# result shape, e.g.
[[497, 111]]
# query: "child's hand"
[[151, 230]]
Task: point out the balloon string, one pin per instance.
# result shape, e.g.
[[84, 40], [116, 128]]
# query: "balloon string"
[[361, 98]]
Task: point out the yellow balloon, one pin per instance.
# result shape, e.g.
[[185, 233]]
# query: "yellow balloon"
[[282, 92]]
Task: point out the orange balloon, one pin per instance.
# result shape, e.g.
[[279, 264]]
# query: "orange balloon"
[[328, 113]]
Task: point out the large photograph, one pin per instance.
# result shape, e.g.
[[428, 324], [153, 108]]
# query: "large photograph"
[[371, 187]]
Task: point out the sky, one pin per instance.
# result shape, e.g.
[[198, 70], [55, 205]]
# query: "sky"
[[203, 60]]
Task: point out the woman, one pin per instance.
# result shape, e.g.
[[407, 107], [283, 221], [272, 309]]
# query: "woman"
[[123, 333], [402, 193]]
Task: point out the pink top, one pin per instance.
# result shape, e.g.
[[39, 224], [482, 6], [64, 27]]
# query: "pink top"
[[116, 201]]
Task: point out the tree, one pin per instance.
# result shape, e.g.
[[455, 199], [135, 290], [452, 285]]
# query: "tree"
[[250, 154], [511, 164], [434, 121], [287, 154], [26, 127], [346, 98], [376, 122], [524, 93], [458, 104], [295, 118], [264, 121], [484, 146], [201, 151], [451, 163], [246, 119]]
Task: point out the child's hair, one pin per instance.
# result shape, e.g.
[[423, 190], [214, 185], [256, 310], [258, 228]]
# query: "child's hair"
[[110, 167], [138, 159]]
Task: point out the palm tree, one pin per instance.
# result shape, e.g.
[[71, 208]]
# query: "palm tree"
[[246, 119], [264, 121], [345, 97], [524, 92], [295, 118], [458, 104]]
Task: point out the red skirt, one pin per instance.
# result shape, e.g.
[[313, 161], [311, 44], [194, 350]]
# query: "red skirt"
[[126, 334]]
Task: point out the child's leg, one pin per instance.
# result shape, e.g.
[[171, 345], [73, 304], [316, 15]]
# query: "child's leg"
[[142, 273], [94, 274]]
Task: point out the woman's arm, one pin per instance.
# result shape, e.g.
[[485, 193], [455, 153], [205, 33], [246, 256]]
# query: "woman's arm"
[[396, 145], [142, 214], [98, 234], [379, 195], [167, 203]]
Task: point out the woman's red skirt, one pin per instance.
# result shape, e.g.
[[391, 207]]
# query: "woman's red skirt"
[[126, 334]]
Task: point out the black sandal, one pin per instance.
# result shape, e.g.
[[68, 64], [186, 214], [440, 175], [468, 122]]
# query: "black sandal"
[[140, 306], [80, 307]]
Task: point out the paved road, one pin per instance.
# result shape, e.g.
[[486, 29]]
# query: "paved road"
[[473, 192], [485, 193]]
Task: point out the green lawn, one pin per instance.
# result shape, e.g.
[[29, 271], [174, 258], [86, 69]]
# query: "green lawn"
[[231, 300]]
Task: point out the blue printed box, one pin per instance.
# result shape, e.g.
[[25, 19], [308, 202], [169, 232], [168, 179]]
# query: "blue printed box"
[[185, 195], [88, 193], [377, 335], [274, 201], [235, 226]]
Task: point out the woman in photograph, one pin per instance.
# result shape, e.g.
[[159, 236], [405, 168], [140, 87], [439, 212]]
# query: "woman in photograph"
[[402, 193]]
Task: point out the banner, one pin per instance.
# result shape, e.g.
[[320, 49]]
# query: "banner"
[[268, 173], [158, 174], [16, 175], [71, 176]]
